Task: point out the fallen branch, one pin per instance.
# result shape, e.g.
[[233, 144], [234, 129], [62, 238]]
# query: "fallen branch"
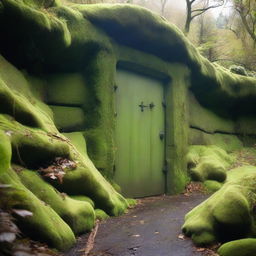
[[90, 241]]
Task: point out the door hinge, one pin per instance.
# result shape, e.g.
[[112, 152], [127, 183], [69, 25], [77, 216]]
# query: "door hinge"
[[164, 104], [115, 87], [165, 167]]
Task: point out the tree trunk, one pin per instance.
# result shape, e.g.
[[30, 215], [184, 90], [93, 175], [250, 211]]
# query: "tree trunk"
[[188, 18]]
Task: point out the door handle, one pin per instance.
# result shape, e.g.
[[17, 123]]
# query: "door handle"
[[142, 106]]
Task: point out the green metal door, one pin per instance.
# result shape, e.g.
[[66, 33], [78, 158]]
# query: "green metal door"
[[140, 125]]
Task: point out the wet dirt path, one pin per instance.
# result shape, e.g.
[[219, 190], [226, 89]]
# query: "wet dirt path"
[[152, 228]]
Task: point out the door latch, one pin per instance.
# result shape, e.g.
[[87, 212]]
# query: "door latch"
[[142, 106]]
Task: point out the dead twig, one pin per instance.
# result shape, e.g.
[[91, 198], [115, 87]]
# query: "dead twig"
[[90, 241]]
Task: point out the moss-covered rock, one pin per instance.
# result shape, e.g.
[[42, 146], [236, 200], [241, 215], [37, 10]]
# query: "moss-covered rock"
[[30, 140], [68, 118], [78, 215], [212, 185], [228, 214], [101, 215], [208, 163], [242, 247], [45, 223]]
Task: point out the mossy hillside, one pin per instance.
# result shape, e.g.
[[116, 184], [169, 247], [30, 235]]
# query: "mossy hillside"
[[36, 145], [47, 146], [227, 142], [208, 163], [228, 214], [39, 32], [209, 82], [241, 247], [154, 35]]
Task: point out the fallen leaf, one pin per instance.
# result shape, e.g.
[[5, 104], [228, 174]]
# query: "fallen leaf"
[[200, 249], [7, 237], [9, 133], [181, 236], [137, 235], [22, 213]]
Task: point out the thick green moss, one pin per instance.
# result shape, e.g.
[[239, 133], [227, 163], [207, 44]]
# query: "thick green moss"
[[208, 163], [45, 224], [212, 185], [206, 120], [35, 25], [78, 215], [101, 215], [228, 213], [5, 152], [78, 141], [84, 199], [68, 118], [242, 247], [66, 89], [227, 142], [36, 143]]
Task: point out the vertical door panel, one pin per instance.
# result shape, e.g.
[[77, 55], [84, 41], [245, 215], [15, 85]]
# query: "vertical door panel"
[[140, 152]]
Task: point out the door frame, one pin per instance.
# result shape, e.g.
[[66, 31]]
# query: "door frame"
[[166, 81]]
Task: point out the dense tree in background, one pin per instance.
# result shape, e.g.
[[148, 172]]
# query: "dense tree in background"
[[247, 12], [196, 8]]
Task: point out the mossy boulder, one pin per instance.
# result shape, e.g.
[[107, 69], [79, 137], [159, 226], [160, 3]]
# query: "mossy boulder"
[[241, 247], [101, 215], [208, 163], [228, 214]]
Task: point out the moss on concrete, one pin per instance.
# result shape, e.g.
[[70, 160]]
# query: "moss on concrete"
[[68, 119], [206, 120], [227, 142], [241, 247], [67, 89]]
